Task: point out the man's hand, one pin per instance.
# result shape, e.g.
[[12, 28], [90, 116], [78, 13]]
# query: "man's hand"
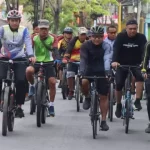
[[32, 59], [144, 74], [115, 64], [65, 61]]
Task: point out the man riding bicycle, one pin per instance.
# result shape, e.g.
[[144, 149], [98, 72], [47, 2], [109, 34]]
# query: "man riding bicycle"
[[62, 47], [128, 50], [73, 55], [14, 37], [43, 50], [95, 60]]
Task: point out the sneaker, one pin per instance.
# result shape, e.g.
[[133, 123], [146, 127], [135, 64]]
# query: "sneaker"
[[31, 90], [59, 85], [137, 105], [19, 113], [118, 110], [51, 111], [104, 126], [87, 103], [70, 96], [147, 130]]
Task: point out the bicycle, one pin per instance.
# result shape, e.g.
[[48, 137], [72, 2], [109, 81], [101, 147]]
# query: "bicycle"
[[41, 93], [64, 89], [8, 97], [95, 104], [127, 108], [78, 94]]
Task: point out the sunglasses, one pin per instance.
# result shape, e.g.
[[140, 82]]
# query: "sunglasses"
[[132, 28], [98, 36]]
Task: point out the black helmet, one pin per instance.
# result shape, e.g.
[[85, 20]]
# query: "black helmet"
[[97, 30], [68, 30]]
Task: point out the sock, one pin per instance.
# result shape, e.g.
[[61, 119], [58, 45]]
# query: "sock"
[[138, 99], [32, 84], [51, 104]]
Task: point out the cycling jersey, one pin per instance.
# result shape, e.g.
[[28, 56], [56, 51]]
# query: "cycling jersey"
[[129, 51], [95, 58], [13, 42], [42, 54], [73, 49]]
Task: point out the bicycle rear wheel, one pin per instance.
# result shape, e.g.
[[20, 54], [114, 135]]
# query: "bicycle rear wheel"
[[127, 116], [39, 104], [5, 111], [94, 114], [32, 105], [78, 94], [111, 102]]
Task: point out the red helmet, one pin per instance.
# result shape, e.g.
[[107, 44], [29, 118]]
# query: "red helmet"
[[13, 14]]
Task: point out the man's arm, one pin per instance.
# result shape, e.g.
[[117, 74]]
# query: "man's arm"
[[28, 43], [1, 32], [116, 48], [107, 55], [83, 58]]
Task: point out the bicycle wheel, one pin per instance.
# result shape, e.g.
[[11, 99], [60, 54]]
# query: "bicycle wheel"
[[44, 114], [39, 104], [32, 105], [111, 102], [11, 114], [127, 116], [5, 111], [78, 94], [94, 114], [64, 86]]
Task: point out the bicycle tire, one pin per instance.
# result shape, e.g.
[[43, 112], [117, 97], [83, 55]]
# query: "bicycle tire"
[[64, 86], [111, 102], [94, 115], [5, 111], [78, 94], [32, 105], [39, 104], [44, 114], [127, 116], [11, 114]]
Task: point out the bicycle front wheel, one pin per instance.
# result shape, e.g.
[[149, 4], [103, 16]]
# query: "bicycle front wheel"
[[111, 102], [78, 94], [39, 104], [127, 116], [5, 111]]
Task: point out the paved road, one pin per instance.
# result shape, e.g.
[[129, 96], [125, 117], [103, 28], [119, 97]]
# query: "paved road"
[[70, 130]]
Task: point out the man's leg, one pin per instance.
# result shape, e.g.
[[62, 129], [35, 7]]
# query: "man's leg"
[[30, 78], [50, 74], [20, 80], [85, 91]]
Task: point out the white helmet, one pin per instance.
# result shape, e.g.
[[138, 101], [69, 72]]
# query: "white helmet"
[[13, 14]]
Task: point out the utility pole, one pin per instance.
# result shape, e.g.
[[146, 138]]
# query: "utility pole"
[[138, 12], [36, 10], [42, 8]]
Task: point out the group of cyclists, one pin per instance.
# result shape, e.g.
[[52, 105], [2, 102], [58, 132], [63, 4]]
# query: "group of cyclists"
[[97, 56]]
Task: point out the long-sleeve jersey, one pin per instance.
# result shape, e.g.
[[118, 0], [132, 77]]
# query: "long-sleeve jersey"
[[95, 58], [129, 51], [13, 42]]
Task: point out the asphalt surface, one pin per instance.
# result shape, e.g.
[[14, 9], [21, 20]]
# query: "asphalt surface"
[[71, 130]]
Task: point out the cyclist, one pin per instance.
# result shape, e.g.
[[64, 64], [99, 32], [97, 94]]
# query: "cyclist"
[[128, 50], [62, 47], [13, 37], [43, 50], [145, 71], [95, 60], [89, 34], [73, 54]]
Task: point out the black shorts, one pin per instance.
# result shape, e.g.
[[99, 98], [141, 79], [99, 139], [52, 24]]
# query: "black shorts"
[[49, 71], [121, 75], [102, 84], [72, 68]]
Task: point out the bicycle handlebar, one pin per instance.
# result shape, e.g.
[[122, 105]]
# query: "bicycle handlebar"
[[44, 63], [14, 61], [94, 77]]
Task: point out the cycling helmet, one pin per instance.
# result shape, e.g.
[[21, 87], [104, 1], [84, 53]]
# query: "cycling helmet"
[[12, 14], [97, 30], [68, 30]]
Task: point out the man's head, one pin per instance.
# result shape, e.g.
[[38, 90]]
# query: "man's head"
[[89, 34], [97, 34], [44, 28], [111, 31], [131, 28], [82, 33], [68, 33], [35, 27], [14, 18]]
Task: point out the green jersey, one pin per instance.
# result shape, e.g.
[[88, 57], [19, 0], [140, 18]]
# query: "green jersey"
[[41, 53]]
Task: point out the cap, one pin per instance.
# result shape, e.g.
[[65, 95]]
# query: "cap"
[[82, 30], [131, 22], [43, 23]]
